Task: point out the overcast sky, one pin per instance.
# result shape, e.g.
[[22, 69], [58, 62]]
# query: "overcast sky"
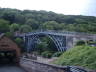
[[73, 7]]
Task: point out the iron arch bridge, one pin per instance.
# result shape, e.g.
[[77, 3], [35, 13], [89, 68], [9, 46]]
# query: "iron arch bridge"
[[62, 39]]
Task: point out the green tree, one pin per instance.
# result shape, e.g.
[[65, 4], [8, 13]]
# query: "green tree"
[[20, 43], [41, 47], [47, 20], [46, 45], [33, 23], [25, 29], [14, 27], [51, 25], [9, 34], [18, 40], [4, 25]]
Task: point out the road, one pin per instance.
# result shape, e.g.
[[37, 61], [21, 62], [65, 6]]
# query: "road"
[[11, 69]]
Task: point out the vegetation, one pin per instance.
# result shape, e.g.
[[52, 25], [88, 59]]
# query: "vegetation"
[[4, 25], [28, 20], [25, 29], [9, 34], [41, 47], [79, 56], [81, 42], [57, 54], [46, 45], [14, 27], [46, 54], [20, 43], [13, 21]]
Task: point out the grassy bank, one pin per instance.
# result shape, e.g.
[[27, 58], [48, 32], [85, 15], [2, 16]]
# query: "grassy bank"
[[84, 56]]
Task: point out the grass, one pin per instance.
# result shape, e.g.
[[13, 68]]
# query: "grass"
[[84, 56]]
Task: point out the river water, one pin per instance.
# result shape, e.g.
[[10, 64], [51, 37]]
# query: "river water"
[[11, 69]]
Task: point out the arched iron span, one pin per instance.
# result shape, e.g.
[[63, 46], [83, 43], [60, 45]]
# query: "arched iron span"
[[62, 40], [58, 41]]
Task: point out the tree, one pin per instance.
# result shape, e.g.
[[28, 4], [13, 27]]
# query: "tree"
[[9, 16], [48, 20], [18, 40], [25, 29], [51, 45], [51, 25], [9, 34], [41, 47], [46, 45], [80, 42], [70, 27], [20, 43], [14, 27], [4, 25], [33, 23]]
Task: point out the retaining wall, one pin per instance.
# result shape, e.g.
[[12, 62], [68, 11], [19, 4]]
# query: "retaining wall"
[[34, 66]]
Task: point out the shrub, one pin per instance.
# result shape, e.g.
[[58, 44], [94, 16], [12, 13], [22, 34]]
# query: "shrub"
[[57, 54], [81, 42], [9, 34], [46, 54], [18, 41], [84, 56]]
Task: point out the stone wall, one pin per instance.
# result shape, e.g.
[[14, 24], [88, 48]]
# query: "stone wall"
[[34, 66]]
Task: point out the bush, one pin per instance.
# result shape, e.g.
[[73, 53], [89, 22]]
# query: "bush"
[[57, 54], [46, 54], [91, 42], [18, 41], [81, 42], [9, 34], [84, 56]]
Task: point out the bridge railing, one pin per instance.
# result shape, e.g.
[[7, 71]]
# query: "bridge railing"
[[57, 32]]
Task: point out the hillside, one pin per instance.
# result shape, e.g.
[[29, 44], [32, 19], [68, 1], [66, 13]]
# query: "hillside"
[[84, 56], [34, 20], [22, 21]]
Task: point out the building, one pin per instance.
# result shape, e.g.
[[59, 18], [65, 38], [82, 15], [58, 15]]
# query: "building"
[[9, 51]]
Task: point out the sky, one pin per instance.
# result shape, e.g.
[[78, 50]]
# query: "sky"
[[67, 7]]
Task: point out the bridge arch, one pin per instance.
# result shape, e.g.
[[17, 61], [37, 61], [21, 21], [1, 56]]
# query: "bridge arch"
[[60, 42]]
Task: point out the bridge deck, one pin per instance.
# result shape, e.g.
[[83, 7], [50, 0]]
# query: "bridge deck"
[[61, 33]]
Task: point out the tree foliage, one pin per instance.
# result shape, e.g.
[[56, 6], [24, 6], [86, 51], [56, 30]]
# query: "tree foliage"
[[81, 42], [51, 25], [23, 21], [46, 44], [4, 25], [14, 27], [25, 29], [47, 20], [33, 23], [19, 42]]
